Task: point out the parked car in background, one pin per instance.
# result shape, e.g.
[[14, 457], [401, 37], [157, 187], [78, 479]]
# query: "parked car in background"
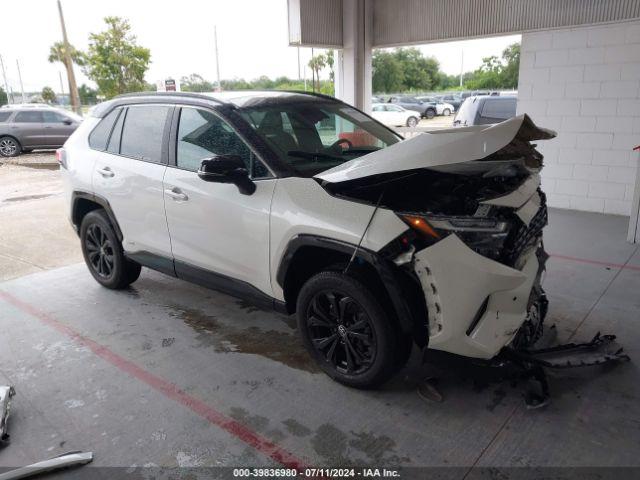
[[426, 109], [442, 108], [482, 110], [454, 100], [25, 128], [394, 115]]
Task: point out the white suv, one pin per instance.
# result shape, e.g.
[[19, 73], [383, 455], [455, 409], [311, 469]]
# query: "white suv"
[[304, 204]]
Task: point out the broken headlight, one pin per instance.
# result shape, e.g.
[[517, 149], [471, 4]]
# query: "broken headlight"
[[485, 236]]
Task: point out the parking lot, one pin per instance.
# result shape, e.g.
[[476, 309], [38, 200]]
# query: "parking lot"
[[170, 374]]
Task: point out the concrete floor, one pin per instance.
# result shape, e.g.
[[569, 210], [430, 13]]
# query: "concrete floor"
[[169, 374]]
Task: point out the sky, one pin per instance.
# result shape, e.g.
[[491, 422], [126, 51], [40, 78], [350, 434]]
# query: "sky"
[[252, 39]]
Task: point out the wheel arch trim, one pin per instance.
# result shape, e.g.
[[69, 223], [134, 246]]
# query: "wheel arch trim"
[[407, 321], [78, 195]]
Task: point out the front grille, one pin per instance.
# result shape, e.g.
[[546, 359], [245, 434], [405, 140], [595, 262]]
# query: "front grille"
[[525, 236]]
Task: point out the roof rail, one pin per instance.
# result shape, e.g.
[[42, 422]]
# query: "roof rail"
[[171, 94]]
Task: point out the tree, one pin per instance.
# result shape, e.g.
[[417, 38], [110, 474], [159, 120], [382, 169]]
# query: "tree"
[[420, 72], [4, 99], [48, 95], [388, 72], [114, 61], [57, 54], [88, 95], [316, 64], [195, 83], [330, 62], [495, 73]]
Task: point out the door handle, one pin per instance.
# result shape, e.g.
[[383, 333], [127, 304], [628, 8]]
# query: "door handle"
[[106, 172], [176, 194]]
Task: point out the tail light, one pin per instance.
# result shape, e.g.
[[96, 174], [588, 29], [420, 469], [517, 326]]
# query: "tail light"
[[61, 157]]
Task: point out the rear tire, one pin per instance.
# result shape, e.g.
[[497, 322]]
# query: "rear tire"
[[347, 331], [103, 252], [9, 147], [446, 112]]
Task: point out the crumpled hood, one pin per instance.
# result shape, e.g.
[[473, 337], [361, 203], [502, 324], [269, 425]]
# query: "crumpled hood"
[[439, 148]]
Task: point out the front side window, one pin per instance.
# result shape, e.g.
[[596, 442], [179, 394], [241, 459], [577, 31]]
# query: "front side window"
[[202, 134], [314, 136], [29, 117], [143, 132]]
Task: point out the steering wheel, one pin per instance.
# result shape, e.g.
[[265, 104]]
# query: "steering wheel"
[[339, 142]]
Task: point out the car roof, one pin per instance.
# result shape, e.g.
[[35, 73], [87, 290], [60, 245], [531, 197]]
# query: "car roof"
[[239, 99]]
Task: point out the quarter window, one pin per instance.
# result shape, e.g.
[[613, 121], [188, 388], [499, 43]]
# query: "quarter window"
[[202, 134], [100, 134], [29, 117], [116, 135], [143, 132], [53, 117]]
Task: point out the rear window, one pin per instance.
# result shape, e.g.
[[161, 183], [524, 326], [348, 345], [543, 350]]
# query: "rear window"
[[502, 109], [100, 135], [143, 132], [4, 116], [29, 117]]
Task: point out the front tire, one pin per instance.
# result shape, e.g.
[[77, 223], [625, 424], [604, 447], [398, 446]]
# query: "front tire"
[[9, 147], [103, 252], [346, 330], [430, 113], [412, 122], [446, 112]]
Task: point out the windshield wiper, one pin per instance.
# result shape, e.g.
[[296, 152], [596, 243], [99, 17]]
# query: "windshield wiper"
[[312, 155], [361, 150]]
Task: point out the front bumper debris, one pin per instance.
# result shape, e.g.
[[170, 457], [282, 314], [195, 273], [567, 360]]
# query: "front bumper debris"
[[531, 363]]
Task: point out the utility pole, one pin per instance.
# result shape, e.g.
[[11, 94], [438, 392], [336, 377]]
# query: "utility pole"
[[461, 68], [215, 38], [61, 83], [73, 87], [24, 100], [4, 76], [299, 77]]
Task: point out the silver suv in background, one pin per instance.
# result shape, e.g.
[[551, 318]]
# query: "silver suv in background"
[[485, 110], [23, 129]]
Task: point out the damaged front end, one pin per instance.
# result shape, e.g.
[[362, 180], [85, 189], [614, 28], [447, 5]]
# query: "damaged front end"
[[476, 212]]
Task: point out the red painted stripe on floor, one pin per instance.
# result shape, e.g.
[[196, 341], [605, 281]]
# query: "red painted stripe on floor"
[[596, 262], [166, 388]]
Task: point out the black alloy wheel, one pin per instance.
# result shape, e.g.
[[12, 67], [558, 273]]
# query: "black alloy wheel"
[[347, 329], [341, 331], [99, 251], [103, 252]]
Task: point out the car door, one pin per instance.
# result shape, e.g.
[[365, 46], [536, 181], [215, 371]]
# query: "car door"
[[129, 176], [28, 128], [57, 128], [395, 115], [219, 236]]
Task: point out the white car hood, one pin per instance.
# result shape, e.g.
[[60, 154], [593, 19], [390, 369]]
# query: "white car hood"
[[439, 148]]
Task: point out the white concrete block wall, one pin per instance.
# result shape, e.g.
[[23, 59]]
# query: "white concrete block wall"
[[585, 84]]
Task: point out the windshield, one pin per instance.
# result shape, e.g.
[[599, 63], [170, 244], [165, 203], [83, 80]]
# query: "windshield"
[[313, 137]]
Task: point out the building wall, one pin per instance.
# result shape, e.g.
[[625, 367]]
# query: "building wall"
[[585, 83]]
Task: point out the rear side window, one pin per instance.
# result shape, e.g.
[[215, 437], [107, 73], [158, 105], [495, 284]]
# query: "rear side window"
[[501, 109], [100, 135], [4, 116], [143, 132], [29, 117]]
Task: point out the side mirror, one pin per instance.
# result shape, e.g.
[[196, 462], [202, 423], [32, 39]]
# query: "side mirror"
[[227, 169], [67, 122]]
